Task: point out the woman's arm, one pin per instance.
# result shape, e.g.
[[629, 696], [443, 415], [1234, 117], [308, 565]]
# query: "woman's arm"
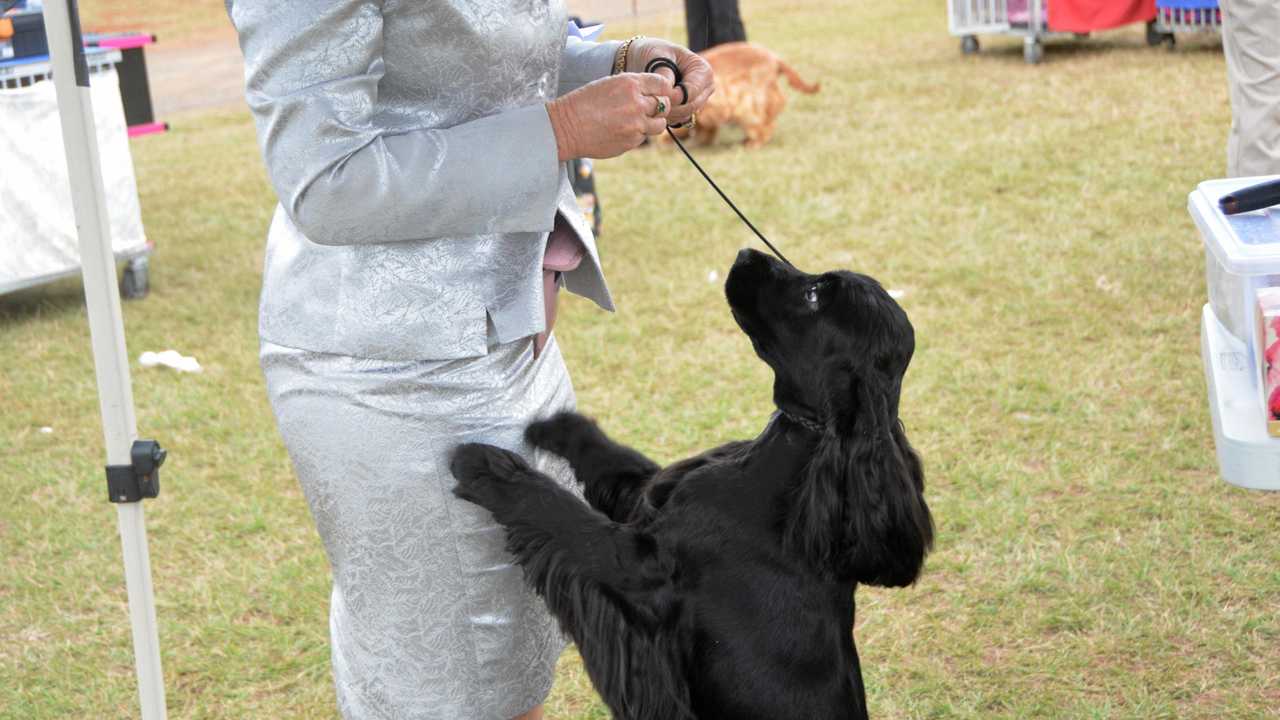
[[312, 72], [584, 61]]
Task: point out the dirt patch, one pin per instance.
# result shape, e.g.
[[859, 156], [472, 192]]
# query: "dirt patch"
[[203, 72]]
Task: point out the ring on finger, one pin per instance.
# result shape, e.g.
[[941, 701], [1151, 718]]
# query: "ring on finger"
[[662, 107]]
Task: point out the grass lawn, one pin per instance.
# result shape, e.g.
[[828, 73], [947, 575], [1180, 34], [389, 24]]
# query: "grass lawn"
[[1090, 564]]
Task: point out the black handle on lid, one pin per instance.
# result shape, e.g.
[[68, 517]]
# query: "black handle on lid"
[[1254, 197]]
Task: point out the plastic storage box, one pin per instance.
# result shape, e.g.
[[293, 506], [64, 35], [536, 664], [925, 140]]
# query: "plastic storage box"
[[1242, 254]]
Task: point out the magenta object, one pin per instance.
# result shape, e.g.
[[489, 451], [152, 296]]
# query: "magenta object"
[[1019, 11], [125, 42], [148, 129]]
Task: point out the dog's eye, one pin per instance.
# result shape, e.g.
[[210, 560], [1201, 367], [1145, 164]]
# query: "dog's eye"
[[811, 294]]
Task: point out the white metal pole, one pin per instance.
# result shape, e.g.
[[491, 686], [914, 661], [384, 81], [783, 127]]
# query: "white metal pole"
[[106, 329]]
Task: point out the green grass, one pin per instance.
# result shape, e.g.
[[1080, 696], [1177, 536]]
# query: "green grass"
[[1089, 564]]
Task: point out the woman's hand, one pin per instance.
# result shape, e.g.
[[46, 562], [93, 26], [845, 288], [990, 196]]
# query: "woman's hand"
[[612, 115], [699, 80]]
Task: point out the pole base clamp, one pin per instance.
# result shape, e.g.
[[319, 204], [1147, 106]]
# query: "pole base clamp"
[[141, 478]]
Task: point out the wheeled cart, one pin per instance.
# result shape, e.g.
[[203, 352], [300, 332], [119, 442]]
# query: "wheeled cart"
[[1030, 20], [1187, 16], [1027, 19], [37, 230]]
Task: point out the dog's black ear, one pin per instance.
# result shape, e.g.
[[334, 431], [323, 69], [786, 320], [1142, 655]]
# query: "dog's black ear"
[[859, 512]]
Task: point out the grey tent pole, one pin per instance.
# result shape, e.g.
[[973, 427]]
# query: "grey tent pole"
[[110, 359]]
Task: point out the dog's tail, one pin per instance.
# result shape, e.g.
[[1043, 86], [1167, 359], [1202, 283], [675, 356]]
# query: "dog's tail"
[[794, 79]]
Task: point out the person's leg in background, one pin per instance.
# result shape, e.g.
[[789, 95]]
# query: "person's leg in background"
[[713, 22], [726, 22], [1251, 44], [697, 20]]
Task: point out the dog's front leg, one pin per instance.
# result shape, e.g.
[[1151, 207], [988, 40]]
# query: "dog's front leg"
[[609, 585], [569, 552], [613, 476]]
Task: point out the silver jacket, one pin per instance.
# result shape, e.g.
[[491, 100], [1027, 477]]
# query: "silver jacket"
[[416, 168]]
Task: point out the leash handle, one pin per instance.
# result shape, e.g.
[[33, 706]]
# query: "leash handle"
[[662, 62]]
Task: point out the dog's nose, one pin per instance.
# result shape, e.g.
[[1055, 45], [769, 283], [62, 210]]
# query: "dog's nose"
[[746, 255]]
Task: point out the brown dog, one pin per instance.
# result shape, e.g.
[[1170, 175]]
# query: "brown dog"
[[747, 92]]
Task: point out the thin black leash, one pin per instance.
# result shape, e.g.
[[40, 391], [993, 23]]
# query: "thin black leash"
[[716, 187], [666, 63]]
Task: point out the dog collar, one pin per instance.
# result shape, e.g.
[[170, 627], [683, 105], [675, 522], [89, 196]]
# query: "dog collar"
[[804, 422]]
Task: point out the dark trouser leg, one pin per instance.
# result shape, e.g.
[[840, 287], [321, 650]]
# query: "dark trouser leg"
[[726, 22], [697, 20], [713, 22]]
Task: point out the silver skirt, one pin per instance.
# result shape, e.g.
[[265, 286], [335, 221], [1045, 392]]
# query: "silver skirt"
[[429, 618]]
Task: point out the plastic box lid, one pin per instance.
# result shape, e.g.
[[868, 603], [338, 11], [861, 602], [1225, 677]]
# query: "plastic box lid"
[[1245, 244]]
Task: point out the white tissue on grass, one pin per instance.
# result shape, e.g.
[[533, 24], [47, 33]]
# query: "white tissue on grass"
[[713, 276], [897, 294], [170, 359], [46, 430]]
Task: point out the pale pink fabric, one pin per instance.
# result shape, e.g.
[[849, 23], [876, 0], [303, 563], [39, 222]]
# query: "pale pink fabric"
[[1019, 11], [564, 253]]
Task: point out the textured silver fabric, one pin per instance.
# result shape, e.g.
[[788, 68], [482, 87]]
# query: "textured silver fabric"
[[410, 148], [429, 619]]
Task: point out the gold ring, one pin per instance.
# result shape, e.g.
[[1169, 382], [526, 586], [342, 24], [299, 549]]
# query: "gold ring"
[[662, 107]]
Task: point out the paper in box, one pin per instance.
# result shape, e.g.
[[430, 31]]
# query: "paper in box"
[[1269, 355]]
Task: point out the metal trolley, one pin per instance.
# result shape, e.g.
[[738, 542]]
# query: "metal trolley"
[[1187, 16], [17, 73], [1029, 19], [1026, 18]]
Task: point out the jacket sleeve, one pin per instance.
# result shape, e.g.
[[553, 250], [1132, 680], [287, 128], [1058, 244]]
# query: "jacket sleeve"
[[584, 61], [311, 80]]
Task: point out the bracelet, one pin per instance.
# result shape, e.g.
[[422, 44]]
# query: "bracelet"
[[620, 57]]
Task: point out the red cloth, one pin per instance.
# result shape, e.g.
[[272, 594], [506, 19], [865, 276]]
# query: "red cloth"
[[1084, 16]]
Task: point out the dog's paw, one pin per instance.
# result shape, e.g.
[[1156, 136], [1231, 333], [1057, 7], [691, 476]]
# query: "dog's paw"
[[482, 469], [560, 432]]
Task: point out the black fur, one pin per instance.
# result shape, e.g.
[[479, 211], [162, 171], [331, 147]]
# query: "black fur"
[[723, 586]]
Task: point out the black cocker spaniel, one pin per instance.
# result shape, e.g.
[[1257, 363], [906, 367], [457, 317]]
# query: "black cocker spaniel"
[[723, 586]]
